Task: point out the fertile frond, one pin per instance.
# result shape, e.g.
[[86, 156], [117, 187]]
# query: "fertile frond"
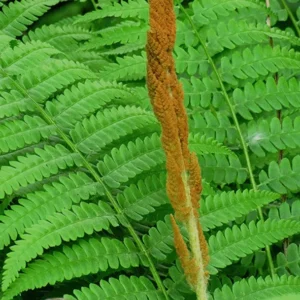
[[273, 135], [282, 177], [141, 199], [82, 258], [65, 226], [132, 8], [42, 204], [93, 134], [236, 242], [86, 98], [31, 168], [262, 288], [126, 288], [17, 16], [221, 208]]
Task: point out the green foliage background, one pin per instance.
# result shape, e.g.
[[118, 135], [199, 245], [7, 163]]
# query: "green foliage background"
[[83, 208]]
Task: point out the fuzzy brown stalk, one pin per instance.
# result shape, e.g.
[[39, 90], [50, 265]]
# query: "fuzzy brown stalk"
[[184, 184]]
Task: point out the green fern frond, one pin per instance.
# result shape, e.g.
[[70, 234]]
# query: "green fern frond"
[[63, 37], [263, 288], [236, 242], [17, 16], [25, 56], [130, 9], [233, 34], [127, 288], [43, 82], [16, 134], [86, 98], [206, 11], [286, 211], [127, 32], [221, 208], [220, 168], [140, 199], [177, 287], [13, 103], [282, 177], [273, 135], [128, 161], [289, 262], [203, 145], [82, 258], [126, 68], [217, 126], [202, 92], [31, 168], [65, 226], [266, 96], [261, 61], [42, 204], [93, 134]]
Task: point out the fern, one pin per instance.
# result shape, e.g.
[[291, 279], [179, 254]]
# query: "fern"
[[84, 210]]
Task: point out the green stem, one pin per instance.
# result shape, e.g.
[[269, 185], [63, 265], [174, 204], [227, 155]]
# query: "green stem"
[[238, 128], [96, 176], [294, 21], [94, 4]]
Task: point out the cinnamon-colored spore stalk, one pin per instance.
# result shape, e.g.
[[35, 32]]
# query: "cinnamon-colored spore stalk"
[[183, 171]]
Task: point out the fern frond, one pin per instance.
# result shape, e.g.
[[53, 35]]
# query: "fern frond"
[[16, 134], [206, 11], [63, 37], [127, 288], [39, 205], [126, 68], [93, 134], [217, 126], [65, 226], [263, 288], [128, 161], [286, 211], [130, 9], [17, 16], [202, 145], [141, 199], [31, 168], [220, 168], [221, 208], [233, 34], [202, 92], [13, 103], [127, 32], [266, 96], [289, 262], [25, 56], [82, 258], [282, 177], [261, 61], [177, 287], [86, 98], [236, 242], [273, 135], [41, 83]]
